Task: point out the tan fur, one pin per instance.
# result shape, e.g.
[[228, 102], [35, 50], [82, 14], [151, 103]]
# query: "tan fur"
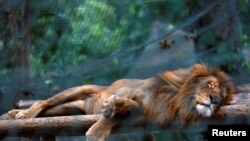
[[182, 95]]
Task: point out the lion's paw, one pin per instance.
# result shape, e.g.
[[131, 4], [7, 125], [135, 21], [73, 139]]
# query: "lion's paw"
[[109, 106], [115, 105], [22, 115], [12, 114], [19, 114]]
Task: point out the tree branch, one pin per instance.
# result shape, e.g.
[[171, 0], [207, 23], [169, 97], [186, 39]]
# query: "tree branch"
[[49, 126]]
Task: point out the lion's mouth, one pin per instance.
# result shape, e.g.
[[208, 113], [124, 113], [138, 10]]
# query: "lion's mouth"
[[206, 105], [205, 109]]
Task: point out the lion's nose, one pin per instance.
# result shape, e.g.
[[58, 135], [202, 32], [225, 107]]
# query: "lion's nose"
[[214, 99]]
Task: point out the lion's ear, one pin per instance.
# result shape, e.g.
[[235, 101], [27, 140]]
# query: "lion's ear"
[[200, 70], [229, 88]]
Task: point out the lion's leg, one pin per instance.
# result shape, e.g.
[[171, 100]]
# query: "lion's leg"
[[114, 106], [68, 108], [100, 130], [72, 94], [35, 109]]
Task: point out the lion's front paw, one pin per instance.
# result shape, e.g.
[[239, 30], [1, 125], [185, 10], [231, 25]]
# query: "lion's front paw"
[[98, 135], [100, 131], [91, 137]]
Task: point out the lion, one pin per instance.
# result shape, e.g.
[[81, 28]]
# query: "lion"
[[182, 96]]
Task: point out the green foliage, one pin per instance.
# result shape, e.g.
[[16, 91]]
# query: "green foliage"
[[74, 35], [66, 34], [94, 30], [248, 67], [245, 40]]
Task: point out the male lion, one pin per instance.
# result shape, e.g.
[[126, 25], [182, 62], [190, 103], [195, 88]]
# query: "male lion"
[[182, 95]]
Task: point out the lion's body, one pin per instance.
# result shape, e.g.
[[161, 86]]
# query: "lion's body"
[[183, 95], [129, 87]]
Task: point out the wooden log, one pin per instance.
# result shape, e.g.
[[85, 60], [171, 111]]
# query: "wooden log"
[[23, 104], [49, 126], [78, 125]]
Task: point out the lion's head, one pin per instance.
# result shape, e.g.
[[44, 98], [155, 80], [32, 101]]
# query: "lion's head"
[[210, 87], [185, 95]]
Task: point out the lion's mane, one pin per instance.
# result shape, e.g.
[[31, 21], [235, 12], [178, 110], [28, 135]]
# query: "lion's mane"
[[174, 98]]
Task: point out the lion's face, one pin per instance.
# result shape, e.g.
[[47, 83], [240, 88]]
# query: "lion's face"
[[212, 90], [208, 96]]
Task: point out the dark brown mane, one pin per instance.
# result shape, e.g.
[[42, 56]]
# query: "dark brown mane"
[[173, 80], [175, 94]]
